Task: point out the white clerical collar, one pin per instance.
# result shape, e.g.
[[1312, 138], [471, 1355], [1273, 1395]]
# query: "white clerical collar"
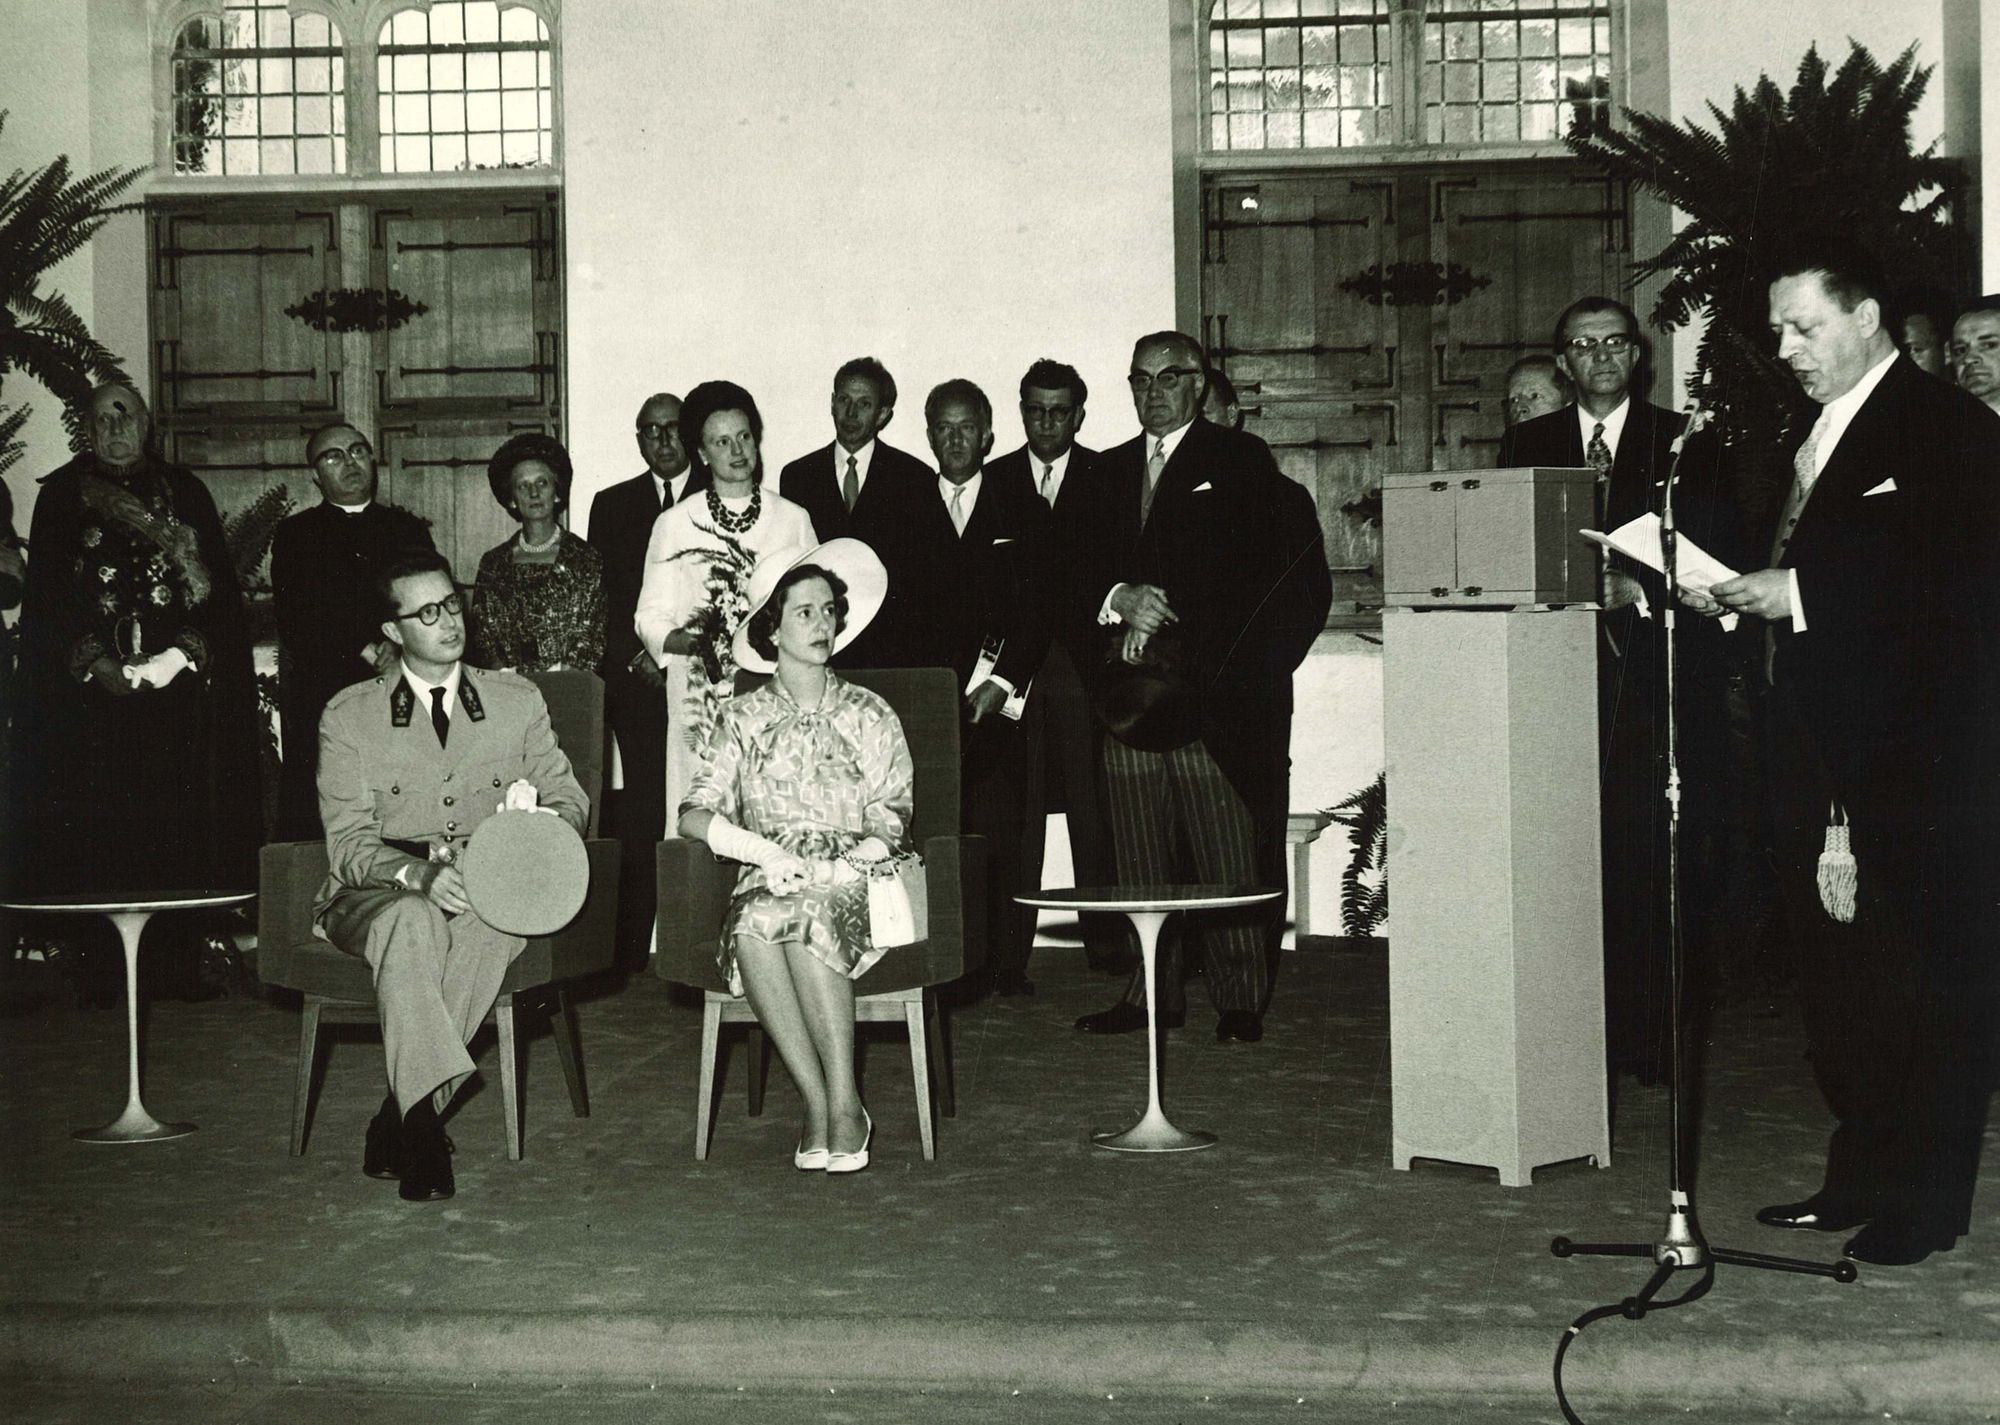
[[1614, 424], [450, 686], [350, 509]]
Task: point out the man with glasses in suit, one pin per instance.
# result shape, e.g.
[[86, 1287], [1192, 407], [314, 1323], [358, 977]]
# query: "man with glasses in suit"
[[411, 762], [1204, 555]]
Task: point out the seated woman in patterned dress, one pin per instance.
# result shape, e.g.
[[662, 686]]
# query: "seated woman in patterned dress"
[[538, 602], [810, 776]]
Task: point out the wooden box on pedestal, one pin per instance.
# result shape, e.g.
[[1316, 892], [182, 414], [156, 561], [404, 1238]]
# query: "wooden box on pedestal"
[[1489, 538]]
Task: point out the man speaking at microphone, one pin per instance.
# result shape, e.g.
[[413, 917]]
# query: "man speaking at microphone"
[[1876, 622]]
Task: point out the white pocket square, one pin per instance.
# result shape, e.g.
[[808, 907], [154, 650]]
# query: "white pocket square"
[[1000, 539], [1882, 489], [1204, 485]]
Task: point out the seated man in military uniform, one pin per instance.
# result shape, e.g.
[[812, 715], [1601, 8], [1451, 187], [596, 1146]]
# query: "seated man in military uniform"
[[411, 762]]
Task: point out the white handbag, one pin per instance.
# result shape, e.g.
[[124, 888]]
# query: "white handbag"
[[898, 906]]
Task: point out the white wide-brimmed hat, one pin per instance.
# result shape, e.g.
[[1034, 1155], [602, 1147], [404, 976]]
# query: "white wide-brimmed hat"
[[852, 561]]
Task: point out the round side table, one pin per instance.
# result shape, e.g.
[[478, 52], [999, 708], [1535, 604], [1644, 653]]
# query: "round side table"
[[1148, 907], [130, 915]]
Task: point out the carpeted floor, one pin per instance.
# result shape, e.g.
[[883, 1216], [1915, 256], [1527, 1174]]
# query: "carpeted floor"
[[1290, 1259]]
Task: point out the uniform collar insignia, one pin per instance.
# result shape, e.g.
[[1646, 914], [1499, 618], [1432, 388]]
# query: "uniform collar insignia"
[[468, 697], [402, 702]]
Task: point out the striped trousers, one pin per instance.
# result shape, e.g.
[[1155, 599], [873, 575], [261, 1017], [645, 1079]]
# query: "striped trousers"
[[1175, 818]]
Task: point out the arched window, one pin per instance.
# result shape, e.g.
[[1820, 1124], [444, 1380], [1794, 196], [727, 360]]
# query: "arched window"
[[257, 91], [465, 85], [1331, 74]]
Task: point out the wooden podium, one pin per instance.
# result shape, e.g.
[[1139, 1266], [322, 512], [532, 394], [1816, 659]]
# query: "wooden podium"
[[1496, 971]]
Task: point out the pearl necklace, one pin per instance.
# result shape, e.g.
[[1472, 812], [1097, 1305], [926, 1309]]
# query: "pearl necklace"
[[732, 523], [521, 540]]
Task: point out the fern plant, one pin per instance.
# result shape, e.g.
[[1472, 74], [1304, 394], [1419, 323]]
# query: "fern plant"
[[45, 216], [1364, 885], [1831, 155]]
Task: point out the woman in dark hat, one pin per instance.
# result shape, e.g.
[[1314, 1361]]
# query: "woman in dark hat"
[[698, 565], [538, 603]]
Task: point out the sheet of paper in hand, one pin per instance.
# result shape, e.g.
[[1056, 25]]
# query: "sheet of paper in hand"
[[1639, 540]]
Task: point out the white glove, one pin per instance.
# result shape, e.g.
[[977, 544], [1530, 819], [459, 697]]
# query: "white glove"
[[159, 670], [786, 872], [523, 796]]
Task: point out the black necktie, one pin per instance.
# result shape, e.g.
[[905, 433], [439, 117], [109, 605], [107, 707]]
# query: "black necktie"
[[439, 720]]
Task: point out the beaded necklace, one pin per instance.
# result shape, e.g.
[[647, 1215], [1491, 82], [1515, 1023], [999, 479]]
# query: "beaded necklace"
[[732, 523]]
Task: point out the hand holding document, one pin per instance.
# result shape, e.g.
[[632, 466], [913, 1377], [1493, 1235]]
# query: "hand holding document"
[[1639, 540]]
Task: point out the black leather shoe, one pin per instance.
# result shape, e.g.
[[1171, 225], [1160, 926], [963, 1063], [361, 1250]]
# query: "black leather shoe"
[[1890, 1243], [382, 1151], [1012, 984], [1243, 1025], [1815, 1214], [426, 1157], [1124, 1017]]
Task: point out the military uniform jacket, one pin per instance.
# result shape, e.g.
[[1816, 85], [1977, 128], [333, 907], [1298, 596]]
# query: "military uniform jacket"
[[384, 779]]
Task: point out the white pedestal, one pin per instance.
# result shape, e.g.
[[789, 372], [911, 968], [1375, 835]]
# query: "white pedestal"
[[1496, 971]]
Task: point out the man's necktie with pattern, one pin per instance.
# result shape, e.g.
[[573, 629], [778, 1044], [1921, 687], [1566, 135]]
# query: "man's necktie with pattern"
[[850, 488], [1156, 464], [1597, 452], [1048, 484], [1805, 470], [439, 721], [958, 508]]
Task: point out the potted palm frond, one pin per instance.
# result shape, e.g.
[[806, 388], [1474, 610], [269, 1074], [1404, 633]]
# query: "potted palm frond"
[[1832, 154], [45, 216]]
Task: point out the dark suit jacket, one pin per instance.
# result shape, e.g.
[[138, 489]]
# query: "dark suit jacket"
[[992, 582], [1894, 672], [886, 517], [323, 563], [621, 522], [1237, 547]]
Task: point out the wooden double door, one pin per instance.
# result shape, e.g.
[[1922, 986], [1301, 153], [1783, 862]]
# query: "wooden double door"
[[1368, 319], [432, 323]]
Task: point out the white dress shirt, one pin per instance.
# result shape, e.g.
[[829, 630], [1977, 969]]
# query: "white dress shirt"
[[1171, 442], [1614, 426], [863, 458], [450, 686], [1834, 419], [1049, 486], [968, 493]]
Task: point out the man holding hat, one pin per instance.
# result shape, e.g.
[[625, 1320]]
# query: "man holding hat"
[[411, 762]]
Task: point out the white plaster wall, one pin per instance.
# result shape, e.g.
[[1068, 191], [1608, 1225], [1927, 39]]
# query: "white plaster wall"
[[760, 190], [1717, 46], [44, 86]]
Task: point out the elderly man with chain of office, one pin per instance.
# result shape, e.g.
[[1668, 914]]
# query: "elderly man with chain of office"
[[411, 762]]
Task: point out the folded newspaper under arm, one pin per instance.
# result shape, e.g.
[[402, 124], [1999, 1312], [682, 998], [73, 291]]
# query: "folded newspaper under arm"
[[1639, 540]]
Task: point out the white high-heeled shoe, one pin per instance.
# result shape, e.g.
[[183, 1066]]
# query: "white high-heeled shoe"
[[853, 1162], [809, 1160]]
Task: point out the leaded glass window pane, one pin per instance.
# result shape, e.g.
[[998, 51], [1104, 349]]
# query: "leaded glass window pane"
[[1501, 70], [471, 81], [257, 92], [1282, 76]]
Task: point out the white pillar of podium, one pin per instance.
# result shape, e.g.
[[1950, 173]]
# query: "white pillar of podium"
[[1496, 971]]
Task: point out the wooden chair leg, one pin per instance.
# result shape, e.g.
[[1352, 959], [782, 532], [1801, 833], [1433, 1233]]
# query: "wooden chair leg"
[[510, 1074], [920, 1074], [308, 1061], [569, 1048], [941, 1047], [760, 1058], [711, 1048]]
